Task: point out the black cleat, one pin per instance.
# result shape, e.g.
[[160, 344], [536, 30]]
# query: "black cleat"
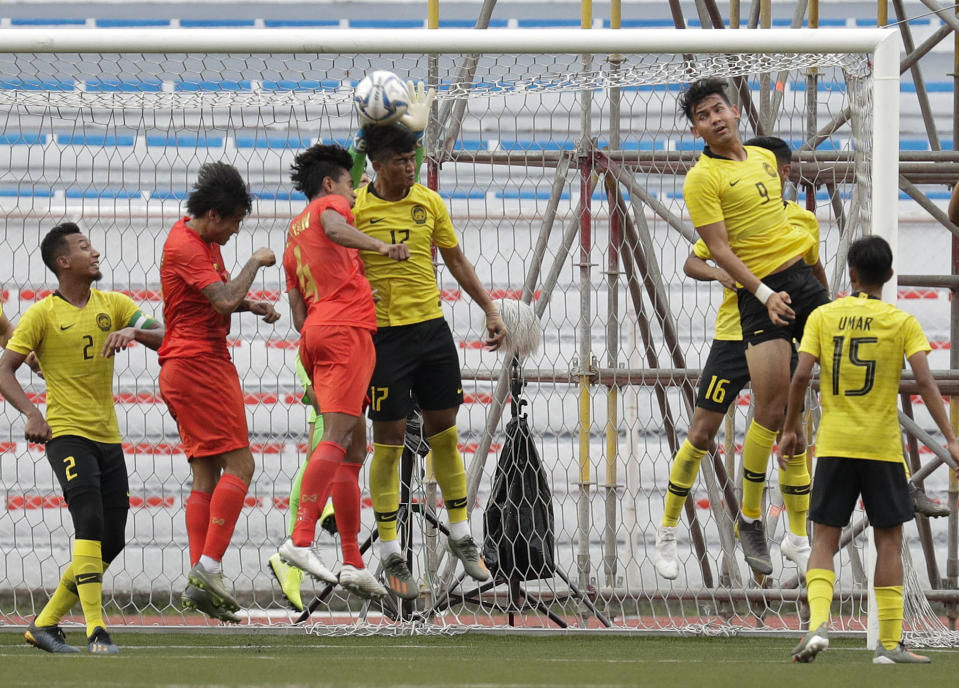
[[49, 639], [100, 643]]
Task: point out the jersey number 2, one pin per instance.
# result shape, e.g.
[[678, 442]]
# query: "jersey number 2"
[[854, 359]]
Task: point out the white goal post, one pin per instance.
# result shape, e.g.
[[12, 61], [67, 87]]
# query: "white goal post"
[[108, 127]]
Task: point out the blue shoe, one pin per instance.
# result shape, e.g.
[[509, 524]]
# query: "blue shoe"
[[49, 639]]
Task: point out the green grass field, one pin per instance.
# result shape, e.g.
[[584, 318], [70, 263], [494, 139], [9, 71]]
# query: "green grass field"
[[267, 659]]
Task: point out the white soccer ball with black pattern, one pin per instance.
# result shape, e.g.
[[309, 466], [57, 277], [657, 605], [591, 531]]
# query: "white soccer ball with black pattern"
[[381, 97]]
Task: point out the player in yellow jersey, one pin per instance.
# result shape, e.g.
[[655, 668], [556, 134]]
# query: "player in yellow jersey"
[[733, 194], [75, 333], [724, 375], [415, 351], [859, 342]]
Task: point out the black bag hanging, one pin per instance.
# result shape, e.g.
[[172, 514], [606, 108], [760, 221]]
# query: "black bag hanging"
[[518, 539]]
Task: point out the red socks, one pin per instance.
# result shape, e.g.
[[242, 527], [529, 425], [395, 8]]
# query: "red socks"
[[315, 490], [197, 522], [225, 506], [346, 507]]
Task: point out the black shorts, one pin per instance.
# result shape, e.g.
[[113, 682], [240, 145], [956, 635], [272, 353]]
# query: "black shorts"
[[839, 482], [724, 375], [84, 466], [806, 293], [414, 360]]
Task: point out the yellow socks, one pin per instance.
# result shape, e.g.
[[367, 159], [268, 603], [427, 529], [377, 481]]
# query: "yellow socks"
[[794, 484], [450, 472], [61, 602], [819, 591], [889, 611], [756, 448], [88, 573], [385, 488], [682, 475]]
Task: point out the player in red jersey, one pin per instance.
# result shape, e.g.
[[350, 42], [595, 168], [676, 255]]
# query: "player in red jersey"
[[333, 308], [199, 382]]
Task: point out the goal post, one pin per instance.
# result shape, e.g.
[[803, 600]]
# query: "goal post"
[[565, 152]]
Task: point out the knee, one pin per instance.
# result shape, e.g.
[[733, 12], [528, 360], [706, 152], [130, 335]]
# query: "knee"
[[703, 430], [241, 465], [86, 510]]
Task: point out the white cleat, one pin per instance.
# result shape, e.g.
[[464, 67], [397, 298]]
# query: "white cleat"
[[307, 559], [361, 582], [797, 550], [664, 558]]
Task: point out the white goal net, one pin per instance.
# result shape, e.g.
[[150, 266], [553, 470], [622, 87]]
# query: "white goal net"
[[561, 155]]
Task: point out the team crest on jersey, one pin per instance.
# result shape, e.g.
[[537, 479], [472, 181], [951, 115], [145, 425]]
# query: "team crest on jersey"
[[770, 170], [418, 213], [104, 322]]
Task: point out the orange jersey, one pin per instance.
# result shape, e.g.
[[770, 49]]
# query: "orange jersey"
[[330, 277], [193, 325]]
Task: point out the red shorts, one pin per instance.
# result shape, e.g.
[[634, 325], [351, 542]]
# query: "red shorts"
[[204, 398], [340, 362]]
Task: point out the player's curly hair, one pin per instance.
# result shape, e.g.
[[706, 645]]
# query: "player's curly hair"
[[387, 139], [779, 148], [54, 244], [219, 187], [872, 259], [315, 164], [698, 91]]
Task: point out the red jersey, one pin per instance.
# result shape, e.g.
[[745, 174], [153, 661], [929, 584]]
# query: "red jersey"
[[193, 325], [329, 276]]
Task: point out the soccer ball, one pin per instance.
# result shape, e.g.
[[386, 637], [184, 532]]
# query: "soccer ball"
[[381, 98]]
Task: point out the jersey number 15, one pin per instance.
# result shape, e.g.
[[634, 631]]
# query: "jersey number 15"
[[854, 358]]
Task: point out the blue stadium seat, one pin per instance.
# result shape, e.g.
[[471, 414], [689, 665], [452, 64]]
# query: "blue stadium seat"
[[96, 140], [22, 139]]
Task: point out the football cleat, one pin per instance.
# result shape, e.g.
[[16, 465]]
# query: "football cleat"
[[466, 551], [328, 519], [307, 559], [200, 600], [361, 582], [900, 654], [664, 558], [49, 639], [797, 550], [213, 584], [99, 643], [399, 578], [290, 578], [814, 642], [752, 536]]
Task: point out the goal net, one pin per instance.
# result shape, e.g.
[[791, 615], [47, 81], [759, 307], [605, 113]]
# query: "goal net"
[[561, 155]]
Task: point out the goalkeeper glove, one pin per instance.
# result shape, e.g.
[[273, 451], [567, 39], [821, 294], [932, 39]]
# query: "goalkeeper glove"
[[359, 140], [418, 111]]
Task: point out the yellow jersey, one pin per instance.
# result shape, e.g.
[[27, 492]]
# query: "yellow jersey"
[[727, 317], [67, 341], [406, 289], [747, 196], [860, 342]]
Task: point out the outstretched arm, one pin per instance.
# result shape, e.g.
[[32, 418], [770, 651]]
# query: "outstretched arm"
[[699, 269], [929, 391], [777, 303], [37, 429], [462, 270], [149, 334], [791, 438]]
